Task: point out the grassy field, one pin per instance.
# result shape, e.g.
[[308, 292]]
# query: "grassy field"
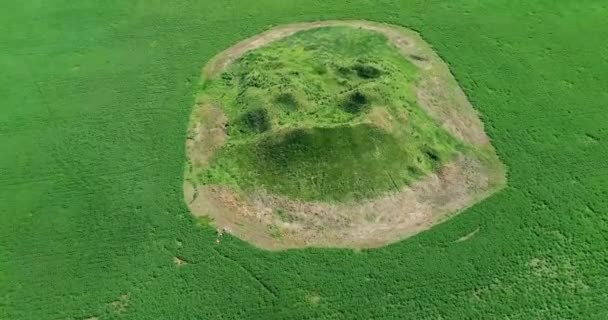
[[94, 111], [327, 114]]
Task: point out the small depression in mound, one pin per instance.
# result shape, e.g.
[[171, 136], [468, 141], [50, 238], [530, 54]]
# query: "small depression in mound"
[[334, 134]]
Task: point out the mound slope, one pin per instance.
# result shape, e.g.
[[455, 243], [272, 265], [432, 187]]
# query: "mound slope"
[[347, 134]]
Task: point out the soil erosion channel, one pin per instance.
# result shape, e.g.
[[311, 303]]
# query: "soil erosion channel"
[[346, 134]]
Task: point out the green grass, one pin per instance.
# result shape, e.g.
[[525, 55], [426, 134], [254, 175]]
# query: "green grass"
[[94, 110], [299, 119], [334, 164]]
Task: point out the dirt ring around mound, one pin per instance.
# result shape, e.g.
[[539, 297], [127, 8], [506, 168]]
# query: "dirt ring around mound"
[[275, 222]]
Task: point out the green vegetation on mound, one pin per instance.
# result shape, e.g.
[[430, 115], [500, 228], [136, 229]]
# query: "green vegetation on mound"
[[95, 103], [326, 114]]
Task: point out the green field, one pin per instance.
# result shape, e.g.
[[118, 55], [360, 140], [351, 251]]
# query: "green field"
[[326, 114], [94, 114]]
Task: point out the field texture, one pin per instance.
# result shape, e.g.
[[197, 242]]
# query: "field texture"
[[94, 110]]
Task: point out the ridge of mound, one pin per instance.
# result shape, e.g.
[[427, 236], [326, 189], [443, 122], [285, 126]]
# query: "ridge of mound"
[[341, 134]]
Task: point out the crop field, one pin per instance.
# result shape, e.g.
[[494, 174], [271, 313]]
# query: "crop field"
[[96, 104]]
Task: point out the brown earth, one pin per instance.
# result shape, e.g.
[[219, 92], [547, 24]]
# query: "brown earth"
[[276, 222], [208, 133]]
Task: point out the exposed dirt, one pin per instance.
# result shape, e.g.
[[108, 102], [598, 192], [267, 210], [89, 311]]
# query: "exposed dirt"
[[276, 222], [208, 134]]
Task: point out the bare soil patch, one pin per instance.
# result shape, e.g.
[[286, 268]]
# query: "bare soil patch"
[[208, 134], [276, 222]]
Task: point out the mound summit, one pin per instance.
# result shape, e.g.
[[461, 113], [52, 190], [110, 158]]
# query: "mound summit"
[[339, 134]]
